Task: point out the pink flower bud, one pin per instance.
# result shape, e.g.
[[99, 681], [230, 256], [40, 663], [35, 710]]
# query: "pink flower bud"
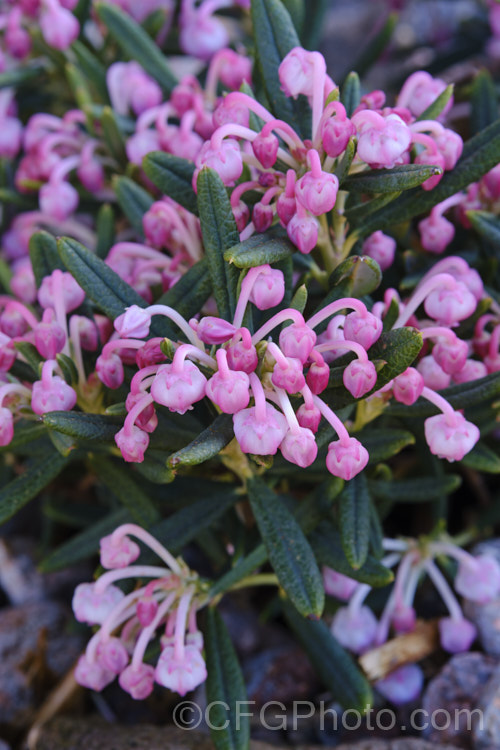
[[89, 337], [118, 552], [6, 426], [90, 674], [290, 378], [303, 232], [456, 636], [404, 685], [181, 675], [382, 141], [408, 386], [420, 91], [268, 289], [90, 172], [298, 71], [58, 199], [146, 610], [215, 330], [338, 585], [403, 619], [436, 233], [309, 417], [317, 192], [133, 443], [450, 438], [335, 134], [178, 390], [299, 447], [133, 323], [12, 323], [149, 354], [225, 160], [145, 94], [147, 419], [450, 146], [7, 353], [230, 392], [234, 69], [242, 357], [11, 135], [450, 306], [472, 370], [72, 293], [59, 26], [241, 215], [202, 34], [297, 341], [262, 217], [433, 158], [346, 460], [23, 283], [434, 376], [354, 630], [54, 396], [318, 377], [490, 184], [381, 248], [109, 370], [265, 148], [49, 337], [141, 144], [479, 580], [92, 607], [363, 329], [286, 207], [451, 356], [359, 377], [261, 437], [112, 655], [138, 681]]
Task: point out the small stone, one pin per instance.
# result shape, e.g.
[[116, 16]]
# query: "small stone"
[[487, 729], [453, 694], [486, 618]]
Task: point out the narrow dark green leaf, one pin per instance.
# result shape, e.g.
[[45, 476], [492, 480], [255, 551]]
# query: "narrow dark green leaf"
[[485, 224], [173, 176], [19, 76], [92, 68], [37, 475], [101, 284], [334, 665], [483, 102], [226, 691], [79, 88], [120, 482], [105, 229], [136, 44], [460, 397], [219, 231], [327, 545], [43, 255], [297, 12], [358, 213], [207, 445], [313, 30], [483, 458], [134, 201], [344, 165], [274, 37], [376, 533], [350, 96], [243, 568], [390, 180], [289, 552], [481, 153], [24, 434], [354, 508], [30, 354], [113, 136], [415, 490], [85, 544], [154, 468], [299, 299], [97, 428], [259, 249]]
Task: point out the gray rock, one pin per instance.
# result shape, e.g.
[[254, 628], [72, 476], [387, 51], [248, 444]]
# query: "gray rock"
[[487, 729], [93, 734], [486, 618], [457, 690]]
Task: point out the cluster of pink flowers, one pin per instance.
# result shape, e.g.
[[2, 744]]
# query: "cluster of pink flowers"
[[356, 627], [129, 622], [54, 18]]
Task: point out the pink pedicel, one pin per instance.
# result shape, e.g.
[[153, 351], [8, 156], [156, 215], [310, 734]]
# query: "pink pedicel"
[[456, 635], [346, 459]]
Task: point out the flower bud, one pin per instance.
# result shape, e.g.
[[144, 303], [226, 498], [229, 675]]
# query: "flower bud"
[[346, 460]]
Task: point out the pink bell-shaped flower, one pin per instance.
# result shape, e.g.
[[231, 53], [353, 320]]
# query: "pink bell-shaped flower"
[[456, 636], [225, 160], [93, 607], [257, 435], [472, 370], [317, 190], [138, 681], [318, 376], [381, 248], [133, 443], [147, 419], [51, 393], [297, 341], [359, 377], [450, 305], [265, 148], [364, 329], [118, 552], [242, 355], [338, 585], [433, 374], [346, 459], [268, 289], [450, 438], [146, 610], [262, 216], [336, 132], [302, 230], [50, 338], [214, 330], [112, 655], [436, 233], [299, 447], [298, 71], [404, 685], [133, 323], [58, 199], [403, 618], [6, 426], [178, 388], [479, 580], [289, 376], [60, 284], [7, 353], [309, 416], [58, 25], [92, 675], [408, 386], [451, 357], [181, 674], [109, 369], [355, 630], [229, 389], [382, 141]]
